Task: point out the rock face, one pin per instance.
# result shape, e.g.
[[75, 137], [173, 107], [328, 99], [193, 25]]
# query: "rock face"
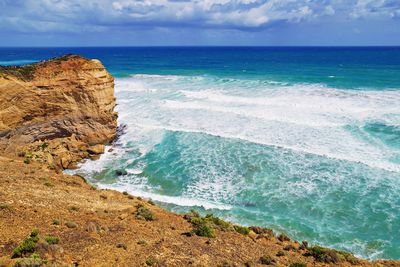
[[65, 104]]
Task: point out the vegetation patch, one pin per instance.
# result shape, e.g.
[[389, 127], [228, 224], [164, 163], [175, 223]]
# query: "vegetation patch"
[[144, 213], [5, 206], [280, 253], [328, 255], [283, 238], [48, 184], [242, 229], [23, 72], [151, 261], [298, 264], [205, 226], [43, 146], [52, 240], [266, 260], [27, 246], [73, 208]]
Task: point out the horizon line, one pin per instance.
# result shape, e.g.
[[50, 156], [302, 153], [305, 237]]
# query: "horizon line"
[[212, 46]]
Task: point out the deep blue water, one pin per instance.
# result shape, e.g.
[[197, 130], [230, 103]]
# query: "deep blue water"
[[303, 140], [351, 67]]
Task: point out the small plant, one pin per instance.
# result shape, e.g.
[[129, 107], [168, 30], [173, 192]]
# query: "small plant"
[[74, 208], [280, 253], [52, 240], [298, 264], [266, 260], [151, 202], [34, 233], [35, 256], [141, 242], [204, 230], [204, 226], [221, 224], [323, 254], [43, 146], [125, 193], [289, 247], [144, 213], [28, 157], [283, 237], [304, 244], [150, 261], [48, 184], [242, 229], [27, 246], [5, 206], [56, 222]]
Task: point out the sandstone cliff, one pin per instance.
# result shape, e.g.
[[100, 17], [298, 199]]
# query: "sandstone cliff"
[[63, 106]]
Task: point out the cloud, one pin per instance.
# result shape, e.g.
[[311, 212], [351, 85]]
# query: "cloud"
[[376, 8], [103, 15]]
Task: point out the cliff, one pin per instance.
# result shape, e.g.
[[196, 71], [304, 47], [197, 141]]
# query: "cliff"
[[67, 100], [54, 113]]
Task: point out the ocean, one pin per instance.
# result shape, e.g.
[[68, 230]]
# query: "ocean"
[[305, 141]]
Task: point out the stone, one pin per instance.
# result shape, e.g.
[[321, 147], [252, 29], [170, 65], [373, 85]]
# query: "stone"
[[96, 149]]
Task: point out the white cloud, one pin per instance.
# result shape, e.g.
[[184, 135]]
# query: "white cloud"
[[376, 8], [97, 15]]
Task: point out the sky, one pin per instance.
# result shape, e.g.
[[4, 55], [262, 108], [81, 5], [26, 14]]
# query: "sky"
[[199, 22]]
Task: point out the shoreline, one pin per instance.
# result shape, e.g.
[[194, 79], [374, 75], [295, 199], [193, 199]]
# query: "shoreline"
[[35, 195]]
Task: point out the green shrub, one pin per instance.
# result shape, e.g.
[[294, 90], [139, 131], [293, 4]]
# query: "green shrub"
[[48, 184], [203, 230], [280, 253], [34, 233], [150, 261], [221, 224], [242, 229], [44, 145], [28, 157], [56, 222], [28, 245], [73, 208], [324, 254], [5, 206], [266, 260], [52, 240], [204, 226], [144, 213], [141, 242]]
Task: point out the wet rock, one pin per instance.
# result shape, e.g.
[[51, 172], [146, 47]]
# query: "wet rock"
[[96, 149], [121, 172]]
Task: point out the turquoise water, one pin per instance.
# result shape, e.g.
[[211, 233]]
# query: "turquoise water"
[[303, 140]]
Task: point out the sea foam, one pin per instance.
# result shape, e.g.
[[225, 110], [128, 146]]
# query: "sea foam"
[[303, 158]]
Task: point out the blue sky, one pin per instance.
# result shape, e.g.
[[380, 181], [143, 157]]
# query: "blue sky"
[[206, 22]]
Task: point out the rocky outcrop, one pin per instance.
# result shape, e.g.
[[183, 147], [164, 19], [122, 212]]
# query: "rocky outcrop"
[[55, 110]]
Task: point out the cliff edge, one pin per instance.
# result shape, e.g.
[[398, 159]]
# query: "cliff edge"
[[56, 110], [53, 114]]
